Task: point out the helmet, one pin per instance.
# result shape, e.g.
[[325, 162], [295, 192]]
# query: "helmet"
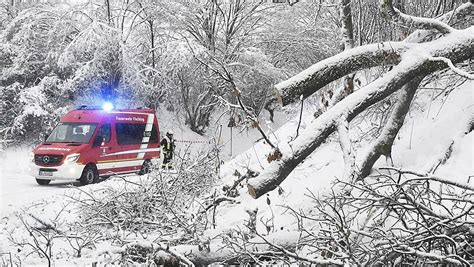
[[169, 132]]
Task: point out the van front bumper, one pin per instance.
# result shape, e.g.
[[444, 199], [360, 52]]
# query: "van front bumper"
[[66, 171]]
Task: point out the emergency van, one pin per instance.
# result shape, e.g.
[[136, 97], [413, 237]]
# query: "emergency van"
[[91, 142]]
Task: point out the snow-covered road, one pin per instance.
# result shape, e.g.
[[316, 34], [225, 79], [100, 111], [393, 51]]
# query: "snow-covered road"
[[17, 188]]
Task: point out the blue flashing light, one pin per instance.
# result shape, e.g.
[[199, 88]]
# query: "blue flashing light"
[[107, 106]]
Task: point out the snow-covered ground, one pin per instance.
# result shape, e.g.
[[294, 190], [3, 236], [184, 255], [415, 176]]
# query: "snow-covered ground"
[[17, 187]]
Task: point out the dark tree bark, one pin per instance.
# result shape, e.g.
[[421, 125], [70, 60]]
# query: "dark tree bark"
[[109, 19], [412, 66], [152, 39], [346, 89], [347, 31]]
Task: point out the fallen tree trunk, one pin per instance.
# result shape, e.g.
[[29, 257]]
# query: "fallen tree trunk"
[[457, 46], [324, 72], [383, 144], [219, 250], [229, 252]]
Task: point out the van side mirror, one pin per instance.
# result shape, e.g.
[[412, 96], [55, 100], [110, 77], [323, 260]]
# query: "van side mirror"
[[46, 137]]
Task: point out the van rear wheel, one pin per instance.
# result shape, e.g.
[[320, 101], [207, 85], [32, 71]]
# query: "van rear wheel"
[[42, 181], [90, 175]]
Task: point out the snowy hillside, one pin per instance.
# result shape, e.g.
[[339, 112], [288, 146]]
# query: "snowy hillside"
[[426, 135]]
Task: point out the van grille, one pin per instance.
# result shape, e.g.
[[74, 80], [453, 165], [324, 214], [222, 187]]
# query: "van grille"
[[48, 160]]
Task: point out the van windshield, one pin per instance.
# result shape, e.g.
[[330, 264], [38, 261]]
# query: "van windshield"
[[72, 132]]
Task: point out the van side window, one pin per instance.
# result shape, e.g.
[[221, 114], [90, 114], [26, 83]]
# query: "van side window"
[[129, 133], [154, 135], [105, 132]]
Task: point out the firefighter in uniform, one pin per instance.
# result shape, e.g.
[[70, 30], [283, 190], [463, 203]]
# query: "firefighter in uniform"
[[167, 147]]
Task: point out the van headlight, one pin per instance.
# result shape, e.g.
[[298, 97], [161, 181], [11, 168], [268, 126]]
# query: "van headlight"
[[72, 158]]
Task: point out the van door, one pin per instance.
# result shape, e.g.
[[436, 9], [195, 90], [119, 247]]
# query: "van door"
[[105, 150], [129, 138]]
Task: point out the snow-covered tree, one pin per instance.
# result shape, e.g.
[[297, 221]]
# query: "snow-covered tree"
[[34, 95]]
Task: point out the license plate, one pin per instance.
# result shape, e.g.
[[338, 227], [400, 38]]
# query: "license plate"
[[44, 173]]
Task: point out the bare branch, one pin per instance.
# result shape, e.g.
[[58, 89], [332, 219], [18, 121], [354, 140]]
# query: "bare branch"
[[301, 258], [453, 68], [428, 177], [404, 249]]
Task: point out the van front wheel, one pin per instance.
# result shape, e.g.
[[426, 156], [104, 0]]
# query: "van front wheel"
[[90, 175], [42, 182], [146, 167]]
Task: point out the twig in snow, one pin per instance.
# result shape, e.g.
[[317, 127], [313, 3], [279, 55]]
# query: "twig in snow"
[[301, 258], [428, 177]]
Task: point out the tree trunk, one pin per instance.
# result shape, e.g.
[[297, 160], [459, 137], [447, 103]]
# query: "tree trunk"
[[346, 89], [152, 37], [383, 144], [324, 72], [107, 2]]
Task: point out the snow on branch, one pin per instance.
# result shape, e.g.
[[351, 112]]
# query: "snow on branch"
[[453, 68], [457, 46], [324, 72], [144, 245], [347, 151], [452, 18], [418, 22], [451, 259]]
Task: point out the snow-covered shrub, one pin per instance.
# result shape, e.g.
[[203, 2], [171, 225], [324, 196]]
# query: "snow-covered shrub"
[[399, 218], [159, 206]]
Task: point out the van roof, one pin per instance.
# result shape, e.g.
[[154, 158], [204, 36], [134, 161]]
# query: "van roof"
[[99, 115]]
